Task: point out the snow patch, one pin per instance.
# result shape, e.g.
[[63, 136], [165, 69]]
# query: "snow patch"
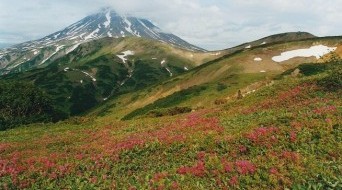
[[90, 76], [154, 58], [262, 71], [72, 48], [122, 34], [87, 74], [316, 51], [257, 59], [168, 70], [109, 34], [137, 34], [92, 35], [248, 47], [16, 65], [56, 36], [217, 53], [155, 35], [129, 29], [129, 24], [162, 63], [35, 52], [125, 53], [81, 35], [107, 23], [75, 37], [56, 51], [185, 68], [263, 43]]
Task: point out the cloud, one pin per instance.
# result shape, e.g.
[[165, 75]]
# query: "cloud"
[[212, 24]]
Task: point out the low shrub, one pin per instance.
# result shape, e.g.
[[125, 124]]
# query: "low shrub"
[[220, 101], [169, 112], [24, 103], [334, 80]]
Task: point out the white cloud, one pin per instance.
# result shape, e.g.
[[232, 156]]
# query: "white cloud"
[[212, 24]]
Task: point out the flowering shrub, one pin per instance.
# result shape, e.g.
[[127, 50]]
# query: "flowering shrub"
[[325, 110], [197, 170], [264, 136], [291, 156], [234, 181], [245, 167]]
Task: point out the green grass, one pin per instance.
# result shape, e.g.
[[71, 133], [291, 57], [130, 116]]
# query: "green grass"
[[169, 101]]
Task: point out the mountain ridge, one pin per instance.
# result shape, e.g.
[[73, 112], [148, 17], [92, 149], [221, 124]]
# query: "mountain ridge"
[[106, 23]]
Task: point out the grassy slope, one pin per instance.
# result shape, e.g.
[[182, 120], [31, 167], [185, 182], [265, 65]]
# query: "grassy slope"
[[236, 71], [287, 135]]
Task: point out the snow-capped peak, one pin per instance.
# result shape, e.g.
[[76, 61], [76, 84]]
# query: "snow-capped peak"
[[106, 23]]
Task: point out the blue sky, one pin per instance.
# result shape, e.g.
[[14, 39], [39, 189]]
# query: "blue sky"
[[211, 24]]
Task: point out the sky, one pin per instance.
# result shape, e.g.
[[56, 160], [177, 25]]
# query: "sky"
[[210, 24]]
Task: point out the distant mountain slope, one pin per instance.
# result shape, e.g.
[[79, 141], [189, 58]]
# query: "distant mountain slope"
[[276, 38], [106, 23], [100, 69]]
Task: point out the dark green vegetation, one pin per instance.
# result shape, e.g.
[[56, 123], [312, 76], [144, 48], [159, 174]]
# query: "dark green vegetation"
[[333, 81], [169, 111], [168, 101], [75, 92], [23, 103]]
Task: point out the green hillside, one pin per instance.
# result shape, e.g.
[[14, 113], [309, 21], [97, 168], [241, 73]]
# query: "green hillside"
[[285, 135], [225, 122]]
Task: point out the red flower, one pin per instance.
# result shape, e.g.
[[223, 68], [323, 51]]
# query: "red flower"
[[293, 156], [201, 155], [245, 167], [227, 166], [158, 176], [234, 181], [263, 136], [242, 149], [293, 136], [182, 170], [273, 171], [325, 110], [196, 170], [93, 179], [175, 185], [328, 120]]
